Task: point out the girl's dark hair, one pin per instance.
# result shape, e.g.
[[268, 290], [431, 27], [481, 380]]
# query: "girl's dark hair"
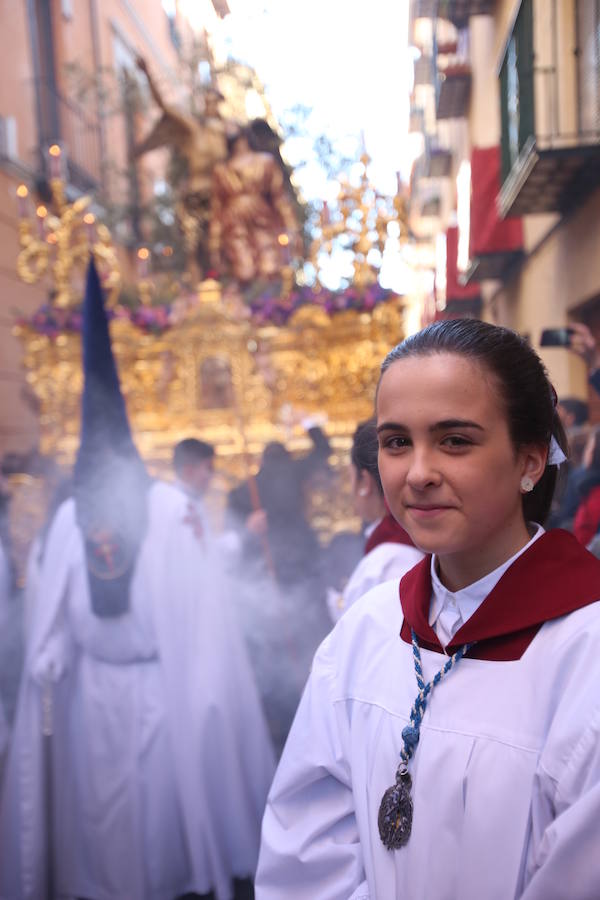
[[528, 396], [365, 449]]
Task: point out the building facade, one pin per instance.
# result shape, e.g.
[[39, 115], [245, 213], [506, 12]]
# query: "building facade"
[[57, 57], [513, 88]]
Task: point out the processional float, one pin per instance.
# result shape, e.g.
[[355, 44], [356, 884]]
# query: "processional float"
[[236, 365]]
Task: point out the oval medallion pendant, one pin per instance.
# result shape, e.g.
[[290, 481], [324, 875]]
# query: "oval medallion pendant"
[[396, 812]]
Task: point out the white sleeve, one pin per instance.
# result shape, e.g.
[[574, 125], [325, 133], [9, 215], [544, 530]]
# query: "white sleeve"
[[4, 585], [386, 562], [50, 647], [402, 561], [53, 657], [310, 843], [563, 859]]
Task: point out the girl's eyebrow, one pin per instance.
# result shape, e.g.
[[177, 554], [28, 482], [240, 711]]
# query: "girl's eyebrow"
[[456, 423], [437, 426]]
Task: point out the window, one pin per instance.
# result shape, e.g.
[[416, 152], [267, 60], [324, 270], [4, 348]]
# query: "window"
[[170, 8], [588, 66], [516, 89]]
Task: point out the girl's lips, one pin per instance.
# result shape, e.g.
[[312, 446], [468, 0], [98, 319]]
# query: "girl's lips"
[[427, 512]]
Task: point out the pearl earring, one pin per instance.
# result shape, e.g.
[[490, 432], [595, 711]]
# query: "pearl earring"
[[527, 484], [362, 492]]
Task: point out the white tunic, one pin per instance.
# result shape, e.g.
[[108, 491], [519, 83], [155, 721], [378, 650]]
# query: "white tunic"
[[4, 583], [506, 775], [384, 562], [4, 617], [160, 751]]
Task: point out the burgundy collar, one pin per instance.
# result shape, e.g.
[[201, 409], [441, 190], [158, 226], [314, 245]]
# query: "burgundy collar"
[[555, 576], [387, 532]]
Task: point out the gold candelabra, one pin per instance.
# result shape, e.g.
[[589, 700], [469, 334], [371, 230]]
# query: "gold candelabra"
[[60, 237], [358, 221]]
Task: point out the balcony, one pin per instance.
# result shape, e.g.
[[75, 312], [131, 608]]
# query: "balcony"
[[437, 162], [495, 245], [424, 9], [432, 208], [64, 121], [550, 108], [492, 267], [453, 82], [416, 121], [459, 11], [453, 89], [461, 300], [424, 71], [425, 209]]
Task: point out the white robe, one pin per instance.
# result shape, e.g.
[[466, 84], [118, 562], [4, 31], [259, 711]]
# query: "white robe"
[[4, 583], [32, 584], [160, 751], [4, 618], [506, 775], [384, 562]]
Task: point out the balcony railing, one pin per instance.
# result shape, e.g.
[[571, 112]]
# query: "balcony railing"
[[453, 88], [416, 121], [425, 208], [424, 70], [435, 162], [438, 162], [424, 9], [453, 76], [459, 11], [64, 121]]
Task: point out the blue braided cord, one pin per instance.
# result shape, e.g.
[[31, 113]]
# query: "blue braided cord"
[[417, 664], [411, 733]]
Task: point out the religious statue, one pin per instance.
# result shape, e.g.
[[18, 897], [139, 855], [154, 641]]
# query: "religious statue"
[[253, 228], [202, 143]]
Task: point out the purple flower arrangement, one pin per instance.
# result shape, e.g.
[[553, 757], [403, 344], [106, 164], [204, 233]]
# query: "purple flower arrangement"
[[272, 309], [267, 308], [51, 321]]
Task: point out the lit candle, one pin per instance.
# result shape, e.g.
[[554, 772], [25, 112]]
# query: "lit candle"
[[284, 242], [41, 213], [55, 155], [90, 226], [22, 202], [143, 262]]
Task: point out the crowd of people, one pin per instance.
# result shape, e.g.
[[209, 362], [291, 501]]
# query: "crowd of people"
[[431, 701]]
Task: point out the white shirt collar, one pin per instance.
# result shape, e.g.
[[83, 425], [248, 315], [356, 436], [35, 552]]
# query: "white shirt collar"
[[449, 610]]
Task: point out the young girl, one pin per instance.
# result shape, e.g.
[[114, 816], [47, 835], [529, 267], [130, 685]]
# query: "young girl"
[[447, 745], [389, 551]]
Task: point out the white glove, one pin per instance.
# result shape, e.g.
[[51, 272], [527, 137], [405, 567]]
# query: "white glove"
[[316, 420], [51, 662]]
